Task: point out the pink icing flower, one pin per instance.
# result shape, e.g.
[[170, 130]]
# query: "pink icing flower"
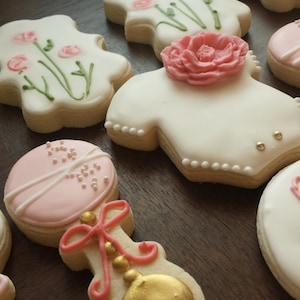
[[204, 58], [142, 4], [69, 51], [18, 63], [25, 37]]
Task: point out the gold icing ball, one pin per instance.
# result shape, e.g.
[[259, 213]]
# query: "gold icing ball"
[[260, 146], [110, 249], [155, 286], [277, 135], [88, 218], [120, 263]]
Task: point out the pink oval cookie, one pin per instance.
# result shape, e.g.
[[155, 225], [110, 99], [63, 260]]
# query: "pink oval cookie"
[[50, 186], [284, 53]]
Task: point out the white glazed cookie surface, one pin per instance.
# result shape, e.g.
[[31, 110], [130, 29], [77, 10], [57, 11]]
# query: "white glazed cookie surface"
[[160, 22], [7, 289], [236, 131], [58, 76], [278, 227]]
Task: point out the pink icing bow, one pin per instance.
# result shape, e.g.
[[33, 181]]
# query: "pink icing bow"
[[100, 230]]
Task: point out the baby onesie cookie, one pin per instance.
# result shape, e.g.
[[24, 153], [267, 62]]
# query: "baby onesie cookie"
[[280, 5], [58, 76], [63, 179], [7, 289], [284, 53], [208, 112], [160, 22], [123, 269], [278, 227]]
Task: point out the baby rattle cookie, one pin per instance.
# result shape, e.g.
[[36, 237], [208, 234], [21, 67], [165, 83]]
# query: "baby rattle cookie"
[[280, 6], [58, 76], [160, 22], [123, 269], [284, 53], [278, 227], [7, 289], [63, 179], [196, 109]]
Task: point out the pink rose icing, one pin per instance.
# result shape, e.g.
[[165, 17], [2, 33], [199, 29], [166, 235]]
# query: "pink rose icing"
[[63, 178], [142, 4], [25, 37], [69, 51], [18, 63], [204, 58]]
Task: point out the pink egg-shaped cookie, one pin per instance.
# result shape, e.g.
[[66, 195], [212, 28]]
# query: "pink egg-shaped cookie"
[[284, 53], [50, 186]]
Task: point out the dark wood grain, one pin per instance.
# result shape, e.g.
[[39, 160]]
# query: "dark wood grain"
[[208, 229]]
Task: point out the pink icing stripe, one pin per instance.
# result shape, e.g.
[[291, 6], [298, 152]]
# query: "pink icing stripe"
[[100, 230]]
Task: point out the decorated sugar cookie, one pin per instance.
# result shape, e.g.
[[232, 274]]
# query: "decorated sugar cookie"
[[280, 5], [58, 76], [278, 227], [123, 269], [206, 109], [63, 179], [284, 53], [159, 22], [7, 289]]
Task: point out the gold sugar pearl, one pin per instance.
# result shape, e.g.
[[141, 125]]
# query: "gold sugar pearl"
[[110, 249], [260, 146], [120, 264], [277, 135], [88, 218], [131, 275]]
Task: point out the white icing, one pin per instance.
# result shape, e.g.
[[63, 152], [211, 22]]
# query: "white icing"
[[279, 212], [231, 13], [108, 68], [213, 127]]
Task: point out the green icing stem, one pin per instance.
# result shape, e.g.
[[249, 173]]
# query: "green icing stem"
[[214, 13], [194, 17], [189, 13], [58, 73], [177, 24], [32, 86]]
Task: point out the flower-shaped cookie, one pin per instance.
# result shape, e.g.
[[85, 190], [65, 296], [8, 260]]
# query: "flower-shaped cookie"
[[233, 130], [60, 77], [159, 22], [280, 5]]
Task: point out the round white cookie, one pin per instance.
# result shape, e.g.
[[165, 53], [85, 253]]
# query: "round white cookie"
[[278, 222], [7, 290]]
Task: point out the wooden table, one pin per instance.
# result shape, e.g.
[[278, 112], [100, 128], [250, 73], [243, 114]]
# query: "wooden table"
[[208, 229]]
